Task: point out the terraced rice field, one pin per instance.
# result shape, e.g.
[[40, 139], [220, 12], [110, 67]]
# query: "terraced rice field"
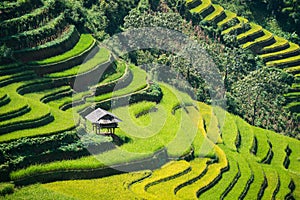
[[230, 174], [173, 146], [275, 51]]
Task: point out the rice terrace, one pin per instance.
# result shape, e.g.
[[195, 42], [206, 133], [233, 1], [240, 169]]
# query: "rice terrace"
[[149, 99]]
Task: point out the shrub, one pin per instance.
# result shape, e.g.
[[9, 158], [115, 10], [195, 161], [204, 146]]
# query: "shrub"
[[18, 8], [253, 93], [5, 53], [6, 188]]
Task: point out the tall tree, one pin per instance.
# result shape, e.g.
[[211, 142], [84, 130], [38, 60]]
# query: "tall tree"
[[260, 99]]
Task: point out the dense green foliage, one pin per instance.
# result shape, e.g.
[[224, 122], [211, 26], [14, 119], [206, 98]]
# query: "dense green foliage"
[[100, 17], [5, 54], [190, 149], [254, 92], [234, 64], [6, 188]]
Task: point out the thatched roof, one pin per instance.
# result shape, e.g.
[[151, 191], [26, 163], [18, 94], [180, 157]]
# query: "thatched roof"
[[101, 116]]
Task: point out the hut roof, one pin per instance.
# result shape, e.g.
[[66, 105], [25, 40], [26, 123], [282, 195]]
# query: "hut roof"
[[100, 116]]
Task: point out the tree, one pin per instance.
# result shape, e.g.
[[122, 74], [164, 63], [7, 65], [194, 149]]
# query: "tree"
[[292, 9], [5, 53], [260, 100]]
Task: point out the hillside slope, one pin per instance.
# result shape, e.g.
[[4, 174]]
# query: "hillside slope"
[[171, 146], [249, 162], [275, 51]]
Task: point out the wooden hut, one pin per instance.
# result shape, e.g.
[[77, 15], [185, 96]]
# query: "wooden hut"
[[102, 119]]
